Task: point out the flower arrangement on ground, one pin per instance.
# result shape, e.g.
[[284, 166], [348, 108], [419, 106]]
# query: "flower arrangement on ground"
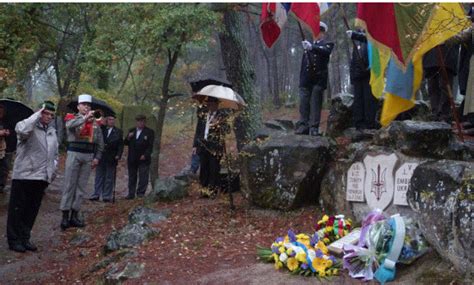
[[331, 228], [301, 254]]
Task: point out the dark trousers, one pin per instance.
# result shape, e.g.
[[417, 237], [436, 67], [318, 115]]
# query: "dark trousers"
[[364, 108], [439, 98], [5, 169], [25, 201], [104, 180], [140, 171], [195, 163], [311, 101], [209, 173]]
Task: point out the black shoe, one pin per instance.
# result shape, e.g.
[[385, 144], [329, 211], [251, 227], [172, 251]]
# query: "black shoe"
[[314, 132], [130, 197], [17, 247], [30, 246], [302, 130], [94, 199], [65, 221], [74, 222]]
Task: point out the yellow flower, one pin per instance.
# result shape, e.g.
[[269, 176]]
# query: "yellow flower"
[[335, 271], [322, 273], [306, 242], [322, 247], [326, 240], [328, 229], [281, 249], [278, 265], [292, 264], [289, 251], [301, 257], [319, 265], [328, 263], [325, 218], [286, 240], [302, 236], [276, 257]]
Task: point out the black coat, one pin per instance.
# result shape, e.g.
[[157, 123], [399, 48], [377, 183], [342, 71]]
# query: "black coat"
[[141, 146], [10, 140], [359, 68], [315, 71], [216, 136], [450, 52], [113, 144], [467, 50]]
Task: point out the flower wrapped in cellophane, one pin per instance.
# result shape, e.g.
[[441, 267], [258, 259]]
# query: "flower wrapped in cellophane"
[[301, 254], [331, 228]]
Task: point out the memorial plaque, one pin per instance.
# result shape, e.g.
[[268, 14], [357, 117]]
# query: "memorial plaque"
[[355, 182], [379, 182], [402, 180]]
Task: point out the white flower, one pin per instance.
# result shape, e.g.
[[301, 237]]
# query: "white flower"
[[283, 257]]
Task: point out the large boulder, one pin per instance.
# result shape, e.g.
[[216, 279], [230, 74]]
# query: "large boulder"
[[129, 236], [168, 189], [441, 194], [144, 215], [340, 114], [285, 170], [423, 139]]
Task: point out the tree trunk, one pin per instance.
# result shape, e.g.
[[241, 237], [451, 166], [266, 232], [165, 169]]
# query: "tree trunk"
[[163, 104], [241, 73]]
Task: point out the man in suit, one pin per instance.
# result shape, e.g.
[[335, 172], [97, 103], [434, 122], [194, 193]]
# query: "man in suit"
[[313, 82], [140, 146], [105, 173], [209, 144]]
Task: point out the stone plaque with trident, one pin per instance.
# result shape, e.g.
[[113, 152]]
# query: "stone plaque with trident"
[[379, 182]]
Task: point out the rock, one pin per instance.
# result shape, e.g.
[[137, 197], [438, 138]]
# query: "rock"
[[129, 236], [422, 139], [131, 271], [420, 112], [168, 189], [340, 114], [441, 194], [284, 171], [79, 239], [144, 215], [111, 259], [280, 125], [358, 135]]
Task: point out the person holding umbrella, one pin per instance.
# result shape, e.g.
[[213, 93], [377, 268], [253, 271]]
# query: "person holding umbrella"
[[7, 146], [209, 144], [84, 151], [34, 169]]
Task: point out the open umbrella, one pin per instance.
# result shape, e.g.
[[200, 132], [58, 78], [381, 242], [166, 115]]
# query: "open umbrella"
[[199, 84], [15, 111], [95, 105], [227, 98]]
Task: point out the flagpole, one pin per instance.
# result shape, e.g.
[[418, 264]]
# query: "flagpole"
[[450, 95], [346, 22], [310, 60]]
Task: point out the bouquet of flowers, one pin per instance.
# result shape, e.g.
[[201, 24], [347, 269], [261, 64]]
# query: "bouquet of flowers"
[[301, 254], [331, 228], [377, 252]]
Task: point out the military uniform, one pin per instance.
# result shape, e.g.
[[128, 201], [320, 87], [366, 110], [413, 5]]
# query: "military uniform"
[[85, 143]]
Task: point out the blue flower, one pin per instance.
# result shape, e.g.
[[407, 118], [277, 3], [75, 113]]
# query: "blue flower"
[[333, 259], [314, 239], [275, 249], [279, 239], [291, 236], [304, 266], [319, 253]]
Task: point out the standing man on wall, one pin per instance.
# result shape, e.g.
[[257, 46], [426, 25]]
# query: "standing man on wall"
[[140, 146], [105, 172], [84, 151], [313, 81], [364, 108], [35, 165]]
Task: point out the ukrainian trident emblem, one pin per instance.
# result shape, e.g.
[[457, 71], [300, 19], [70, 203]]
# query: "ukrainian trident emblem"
[[378, 182], [379, 187]]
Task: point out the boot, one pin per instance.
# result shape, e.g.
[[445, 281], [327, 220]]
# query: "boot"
[[75, 222], [65, 221]]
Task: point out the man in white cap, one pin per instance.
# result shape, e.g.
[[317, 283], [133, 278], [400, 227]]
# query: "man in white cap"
[[85, 146], [313, 81]]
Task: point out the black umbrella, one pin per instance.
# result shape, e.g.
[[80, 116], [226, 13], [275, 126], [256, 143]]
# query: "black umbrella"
[[15, 111], [95, 105], [199, 84]]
